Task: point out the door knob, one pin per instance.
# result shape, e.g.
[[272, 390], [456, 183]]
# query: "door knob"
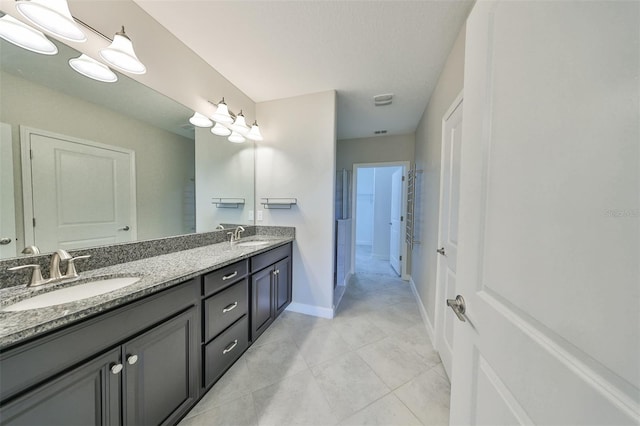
[[126, 228], [458, 306], [5, 241], [132, 359], [441, 251]]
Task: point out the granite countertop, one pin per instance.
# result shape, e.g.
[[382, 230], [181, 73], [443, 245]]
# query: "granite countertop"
[[156, 273]]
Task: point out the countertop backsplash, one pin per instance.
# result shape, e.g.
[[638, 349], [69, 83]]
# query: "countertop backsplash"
[[127, 252]]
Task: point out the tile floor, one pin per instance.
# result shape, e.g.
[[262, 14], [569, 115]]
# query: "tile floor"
[[368, 264], [373, 364]]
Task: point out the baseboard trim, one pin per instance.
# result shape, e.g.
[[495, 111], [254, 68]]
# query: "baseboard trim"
[[316, 311], [423, 312]]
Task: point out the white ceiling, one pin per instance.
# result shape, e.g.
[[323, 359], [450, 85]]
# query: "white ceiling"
[[278, 49]]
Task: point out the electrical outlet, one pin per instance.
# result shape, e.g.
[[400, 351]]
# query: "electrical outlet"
[[259, 214], [250, 214]]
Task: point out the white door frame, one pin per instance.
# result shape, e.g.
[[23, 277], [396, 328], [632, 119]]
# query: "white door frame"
[[440, 291], [405, 165], [7, 199], [27, 184]]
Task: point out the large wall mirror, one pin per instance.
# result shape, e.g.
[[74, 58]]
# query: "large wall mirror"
[[97, 135]]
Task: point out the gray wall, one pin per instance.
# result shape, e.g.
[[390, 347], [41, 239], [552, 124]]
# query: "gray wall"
[[164, 161], [427, 157], [379, 149]]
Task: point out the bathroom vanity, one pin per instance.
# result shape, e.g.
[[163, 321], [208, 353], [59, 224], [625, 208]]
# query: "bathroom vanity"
[[145, 354]]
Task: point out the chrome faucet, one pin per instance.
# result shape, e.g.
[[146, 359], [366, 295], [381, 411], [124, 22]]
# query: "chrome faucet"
[[235, 235], [54, 266], [60, 255]]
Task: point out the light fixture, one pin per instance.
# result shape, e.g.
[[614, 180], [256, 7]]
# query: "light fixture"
[[254, 134], [200, 120], [222, 113], [91, 68], [240, 125], [120, 54], [220, 130], [236, 137], [22, 35], [53, 16]]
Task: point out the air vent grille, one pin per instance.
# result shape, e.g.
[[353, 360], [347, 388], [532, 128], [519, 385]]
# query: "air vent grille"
[[384, 99]]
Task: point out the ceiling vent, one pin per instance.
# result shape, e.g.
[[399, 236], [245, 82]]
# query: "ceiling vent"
[[381, 100]]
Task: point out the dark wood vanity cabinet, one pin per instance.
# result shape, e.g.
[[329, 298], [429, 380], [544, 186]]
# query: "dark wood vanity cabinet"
[[150, 377], [270, 287], [149, 361]]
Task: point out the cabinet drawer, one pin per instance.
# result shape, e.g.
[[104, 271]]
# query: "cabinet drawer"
[[269, 258], [224, 308], [223, 277], [224, 350]]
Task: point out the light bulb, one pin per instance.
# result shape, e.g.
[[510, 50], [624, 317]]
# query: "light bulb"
[[120, 54], [91, 68], [236, 138], [200, 120], [53, 16], [222, 113], [254, 134], [240, 125], [22, 35], [220, 130]]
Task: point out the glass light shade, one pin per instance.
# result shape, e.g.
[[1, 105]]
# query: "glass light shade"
[[222, 113], [240, 125], [91, 68], [120, 54], [220, 130], [254, 134], [26, 37], [236, 138], [53, 16], [200, 120]]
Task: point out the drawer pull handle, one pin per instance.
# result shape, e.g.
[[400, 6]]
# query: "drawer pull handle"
[[228, 277], [116, 368], [230, 307], [230, 347]]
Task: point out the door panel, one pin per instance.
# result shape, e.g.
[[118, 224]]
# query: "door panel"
[[396, 210], [550, 189], [7, 204], [283, 290], [163, 381], [262, 313], [88, 395], [88, 201], [448, 230]]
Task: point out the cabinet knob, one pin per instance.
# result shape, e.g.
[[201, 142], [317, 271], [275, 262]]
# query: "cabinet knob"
[[116, 368], [132, 359]]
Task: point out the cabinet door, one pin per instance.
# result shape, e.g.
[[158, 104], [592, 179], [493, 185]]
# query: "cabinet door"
[[283, 284], [262, 304], [87, 395], [161, 373]]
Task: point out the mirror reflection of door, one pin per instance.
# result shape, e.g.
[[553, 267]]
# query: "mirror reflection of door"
[[81, 193], [7, 206]]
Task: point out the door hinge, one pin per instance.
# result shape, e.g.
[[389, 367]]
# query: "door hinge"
[[401, 258], [403, 178], [34, 222], [401, 218]]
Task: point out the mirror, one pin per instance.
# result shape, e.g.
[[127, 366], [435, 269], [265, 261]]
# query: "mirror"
[[173, 166]]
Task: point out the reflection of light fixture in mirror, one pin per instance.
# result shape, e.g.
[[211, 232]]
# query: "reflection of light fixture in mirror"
[[26, 37], [120, 54], [220, 130], [240, 125], [222, 113], [254, 134], [236, 137], [91, 68], [200, 120], [52, 16]]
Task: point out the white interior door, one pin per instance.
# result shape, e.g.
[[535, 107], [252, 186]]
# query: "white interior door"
[[82, 194], [448, 230], [549, 218], [7, 203], [395, 241]]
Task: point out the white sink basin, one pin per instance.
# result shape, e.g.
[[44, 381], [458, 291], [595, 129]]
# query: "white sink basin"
[[252, 243], [71, 294]]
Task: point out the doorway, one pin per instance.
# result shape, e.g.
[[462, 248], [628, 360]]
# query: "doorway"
[[379, 210]]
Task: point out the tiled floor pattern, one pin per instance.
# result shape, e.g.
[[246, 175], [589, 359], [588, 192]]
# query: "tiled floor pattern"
[[373, 364], [368, 264]]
